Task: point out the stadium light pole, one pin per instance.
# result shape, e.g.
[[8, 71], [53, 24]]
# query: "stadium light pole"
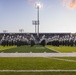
[[21, 30], [4, 31], [38, 6], [34, 23]]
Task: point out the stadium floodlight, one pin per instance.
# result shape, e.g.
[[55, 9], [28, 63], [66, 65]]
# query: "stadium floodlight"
[[38, 6], [21, 30], [34, 23], [4, 31]]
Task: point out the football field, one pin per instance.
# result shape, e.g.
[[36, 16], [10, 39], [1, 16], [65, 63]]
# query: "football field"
[[25, 49], [62, 49], [42, 66], [38, 49], [37, 65]]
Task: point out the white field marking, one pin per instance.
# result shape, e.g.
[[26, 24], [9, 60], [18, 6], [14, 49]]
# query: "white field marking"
[[53, 50], [38, 55], [64, 59], [40, 47], [58, 47], [37, 71]]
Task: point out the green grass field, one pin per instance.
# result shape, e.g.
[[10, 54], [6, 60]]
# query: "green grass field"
[[37, 49], [53, 63], [4, 48], [25, 49], [61, 73], [62, 49], [37, 64]]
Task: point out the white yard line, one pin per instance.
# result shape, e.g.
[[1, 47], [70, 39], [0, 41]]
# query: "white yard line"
[[53, 49], [37, 70], [64, 59], [37, 54]]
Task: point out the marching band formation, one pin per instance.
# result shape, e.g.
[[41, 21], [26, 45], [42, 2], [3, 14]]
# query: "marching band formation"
[[55, 40]]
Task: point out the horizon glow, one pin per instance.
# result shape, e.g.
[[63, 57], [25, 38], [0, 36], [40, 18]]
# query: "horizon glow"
[[56, 16]]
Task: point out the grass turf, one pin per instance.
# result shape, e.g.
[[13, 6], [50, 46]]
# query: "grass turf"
[[68, 58], [35, 64], [47, 73], [26, 49], [6, 47], [63, 49], [37, 49]]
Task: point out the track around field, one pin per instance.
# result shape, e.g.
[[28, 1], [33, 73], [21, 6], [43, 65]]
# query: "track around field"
[[37, 54]]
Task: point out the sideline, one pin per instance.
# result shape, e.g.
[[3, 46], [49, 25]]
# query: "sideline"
[[37, 54], [64, 59], [37, 71], [53, 49]]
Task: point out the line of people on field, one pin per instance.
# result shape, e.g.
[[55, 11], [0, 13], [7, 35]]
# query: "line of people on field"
[[56, 40], [12, 40], [67, 40]]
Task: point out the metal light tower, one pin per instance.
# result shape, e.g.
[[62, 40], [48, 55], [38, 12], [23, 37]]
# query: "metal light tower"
[[4, 31], [38, 6], [34, 23], [21, 30]]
